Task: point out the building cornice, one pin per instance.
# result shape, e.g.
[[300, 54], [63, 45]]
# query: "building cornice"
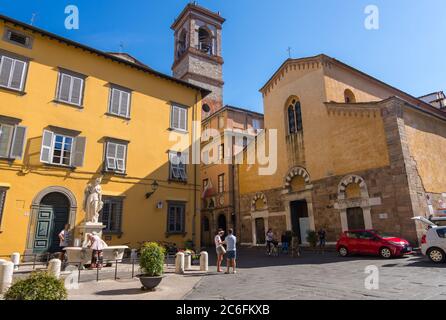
[[192, 8]]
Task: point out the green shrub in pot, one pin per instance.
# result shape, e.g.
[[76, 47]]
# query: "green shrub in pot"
[[152, 260]]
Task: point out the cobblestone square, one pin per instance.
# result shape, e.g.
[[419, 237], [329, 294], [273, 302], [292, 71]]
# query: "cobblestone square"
[[322, 277]]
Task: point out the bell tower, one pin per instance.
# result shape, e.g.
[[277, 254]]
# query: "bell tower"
[[198, 56]]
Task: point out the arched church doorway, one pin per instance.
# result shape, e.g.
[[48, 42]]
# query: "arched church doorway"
[[53, 214]]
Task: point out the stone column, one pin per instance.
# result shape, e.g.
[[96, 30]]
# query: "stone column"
[[187, 261], [179, 263], [6, 274], [204, 261], [15, 258], [54, 268]]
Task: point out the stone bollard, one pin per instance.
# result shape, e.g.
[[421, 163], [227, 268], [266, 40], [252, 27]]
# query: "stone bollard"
[[6, 273], [179, 263], [204, 261], [187, 261], [54, 268], [15, 258]]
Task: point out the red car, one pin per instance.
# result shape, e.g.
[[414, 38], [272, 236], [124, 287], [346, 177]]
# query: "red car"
[[372, 242]]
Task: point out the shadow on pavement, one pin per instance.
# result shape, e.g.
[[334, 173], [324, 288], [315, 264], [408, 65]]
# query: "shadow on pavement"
[[257, 258], [122, 292]]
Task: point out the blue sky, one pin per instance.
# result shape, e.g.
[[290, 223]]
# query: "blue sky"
[[408, 51]]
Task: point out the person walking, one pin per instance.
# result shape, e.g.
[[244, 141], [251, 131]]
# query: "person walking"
[[64, 241], [231, 246], [269, 241], [322, 234], [219, 248]]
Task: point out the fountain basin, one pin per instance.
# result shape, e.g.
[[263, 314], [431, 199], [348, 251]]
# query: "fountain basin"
[[78, 255]]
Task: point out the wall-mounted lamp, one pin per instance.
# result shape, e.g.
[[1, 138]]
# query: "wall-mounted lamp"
[[155, 186]]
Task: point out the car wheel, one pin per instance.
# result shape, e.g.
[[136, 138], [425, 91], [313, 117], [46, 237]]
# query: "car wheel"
[[385, 253], [436, 255], [343, 252]]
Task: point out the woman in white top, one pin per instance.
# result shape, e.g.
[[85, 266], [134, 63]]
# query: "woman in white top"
[[97, 245], [219, 248]]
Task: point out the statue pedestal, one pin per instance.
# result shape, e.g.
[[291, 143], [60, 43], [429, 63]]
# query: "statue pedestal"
[[90, 227]]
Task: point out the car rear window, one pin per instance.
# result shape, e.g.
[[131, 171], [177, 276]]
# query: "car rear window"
[[441, 232]]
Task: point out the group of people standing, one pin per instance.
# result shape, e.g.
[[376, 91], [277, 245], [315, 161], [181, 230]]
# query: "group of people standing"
[[230, 251], [286, 240]]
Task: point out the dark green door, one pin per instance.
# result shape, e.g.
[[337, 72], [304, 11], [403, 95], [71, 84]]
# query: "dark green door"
[[53, 215], [44, 228]]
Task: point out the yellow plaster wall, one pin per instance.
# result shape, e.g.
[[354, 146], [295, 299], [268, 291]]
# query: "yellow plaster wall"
[[334, 144], [148, 133], [426, 137]]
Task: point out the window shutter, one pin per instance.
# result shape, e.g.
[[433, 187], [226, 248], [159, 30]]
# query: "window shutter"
[[18, 74], [183, 119], [77, 157], [175, 117], [6, 132], [47, 144], [120, 157], [64, 87], [76, 91], [111, 156], [5, 72], [18, 143], [124, 107], [114, 103]]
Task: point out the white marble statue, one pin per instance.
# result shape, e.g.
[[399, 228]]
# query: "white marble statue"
[[93, 201]]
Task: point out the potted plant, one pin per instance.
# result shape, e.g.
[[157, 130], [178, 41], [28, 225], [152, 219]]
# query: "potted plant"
[[312, 238], [152, 265]]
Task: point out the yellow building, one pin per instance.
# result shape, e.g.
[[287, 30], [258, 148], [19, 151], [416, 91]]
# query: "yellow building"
[[70, 113], [353, 153]]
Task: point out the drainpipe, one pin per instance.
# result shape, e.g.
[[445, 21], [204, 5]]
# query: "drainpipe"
[[194, 118]]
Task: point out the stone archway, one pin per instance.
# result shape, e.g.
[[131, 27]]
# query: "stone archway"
[[346, 181], [363, 201], [35, 208], [260, 196], [296, 172]]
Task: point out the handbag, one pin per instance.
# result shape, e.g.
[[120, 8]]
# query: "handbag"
[[221, 250]]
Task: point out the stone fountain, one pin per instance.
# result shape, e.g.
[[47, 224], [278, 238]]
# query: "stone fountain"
[[93, 204]]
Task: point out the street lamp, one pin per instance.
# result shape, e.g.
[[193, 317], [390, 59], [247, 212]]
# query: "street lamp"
[[155, 186]]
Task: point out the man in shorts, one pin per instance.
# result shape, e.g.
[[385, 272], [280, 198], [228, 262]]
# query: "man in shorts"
[[231, 253]]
